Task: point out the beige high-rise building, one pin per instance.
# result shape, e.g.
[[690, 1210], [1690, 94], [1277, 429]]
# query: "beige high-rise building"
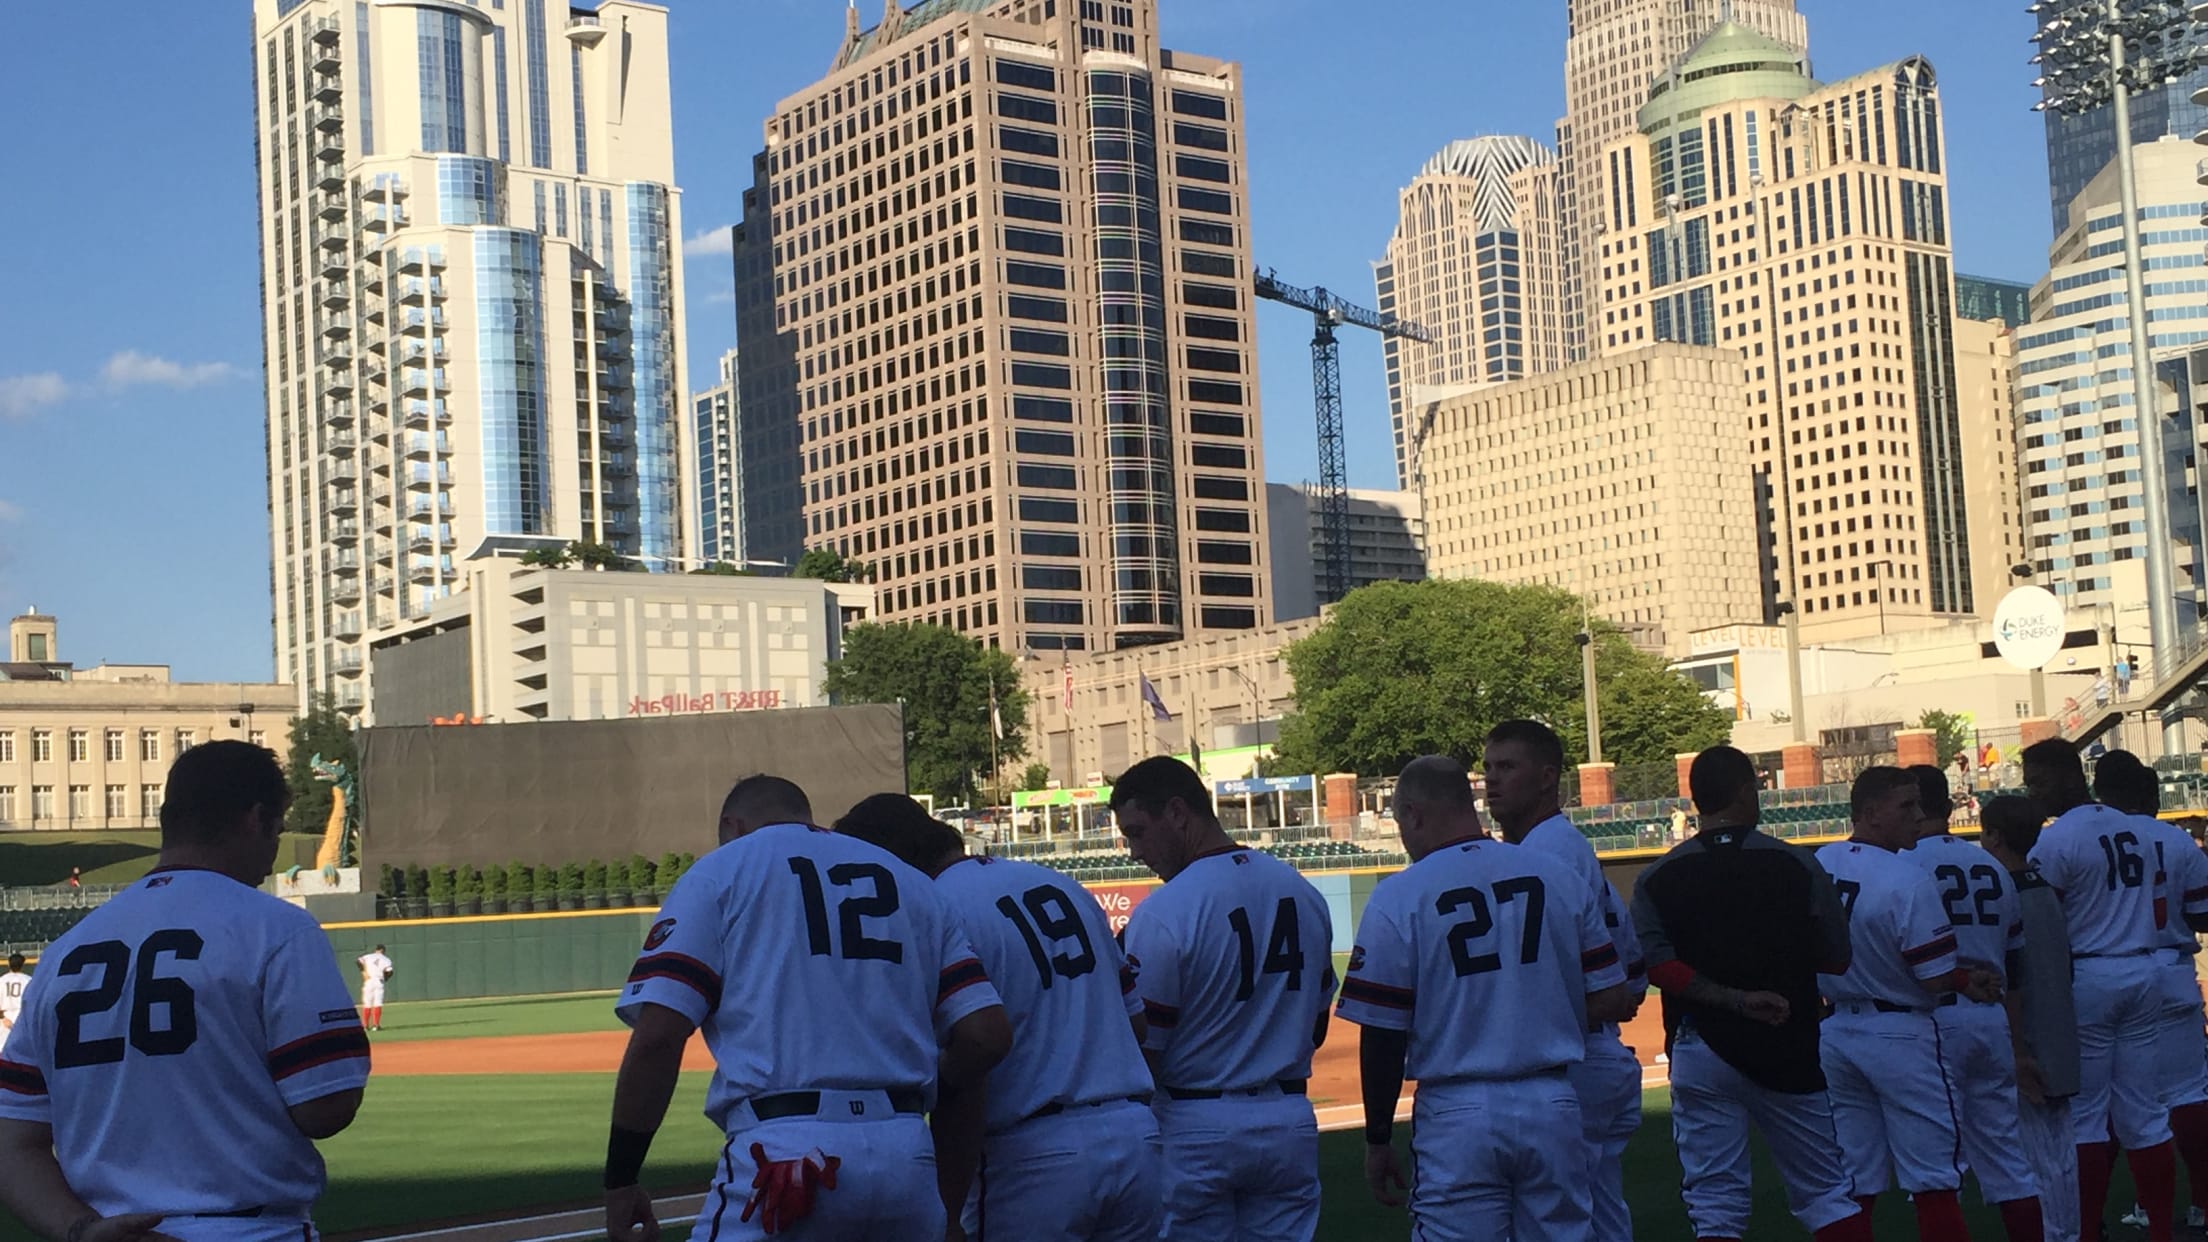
[[472, 315], [1623, 479], [1477, 260], [993, 298], [1617, 51], [1805, 226], [1985, 391]]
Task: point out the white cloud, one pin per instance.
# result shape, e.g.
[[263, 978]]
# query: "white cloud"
[[10, 511], [131, 368], [707, 243], [720, 297], [22, 395]]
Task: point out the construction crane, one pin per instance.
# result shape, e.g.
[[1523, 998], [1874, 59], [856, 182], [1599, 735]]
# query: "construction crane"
[[1327, 311]]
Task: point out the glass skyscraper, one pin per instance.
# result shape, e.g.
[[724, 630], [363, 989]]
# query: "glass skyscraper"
[[2080, 146]]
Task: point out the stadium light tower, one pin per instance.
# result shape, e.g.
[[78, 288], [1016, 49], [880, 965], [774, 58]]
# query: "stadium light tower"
[[2095, 53]]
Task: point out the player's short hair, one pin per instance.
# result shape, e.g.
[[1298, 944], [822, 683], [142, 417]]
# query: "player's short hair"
[[1932, 792], [2122, 781], [1158, 780], [767, 799], [15, 963], [2012, 820], [379, 948], [2056, 758], [1876, 782], [902, 826], [212, 784], [1539, 738], [1434, 780], [1718, 777]]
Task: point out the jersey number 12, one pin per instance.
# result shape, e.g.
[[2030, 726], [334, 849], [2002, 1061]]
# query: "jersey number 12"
[[879, 904]]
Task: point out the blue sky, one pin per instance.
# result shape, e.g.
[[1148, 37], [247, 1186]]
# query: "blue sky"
[[132, 481]]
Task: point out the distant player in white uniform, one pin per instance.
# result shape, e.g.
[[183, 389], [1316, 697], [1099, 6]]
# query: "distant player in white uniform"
[[1524, 765], [1890, 1099], [181, 1049], [1072, 1147], [11, 995], [374, 969], [2121, 781], [1233, 956], [1976, 1047], [838, 996], [1477, 972], [2102, 868]]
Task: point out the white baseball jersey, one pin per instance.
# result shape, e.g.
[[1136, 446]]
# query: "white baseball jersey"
[[12, 984], [193, 999], [2102, 867], [374, 966], [1557, 837], [1234, 960], [1485, 952], [812, 962], [1050, 954], [1896, 924], [2180, 882], [1979, 897]]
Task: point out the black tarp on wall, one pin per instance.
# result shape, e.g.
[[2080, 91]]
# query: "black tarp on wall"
[[568, 791]]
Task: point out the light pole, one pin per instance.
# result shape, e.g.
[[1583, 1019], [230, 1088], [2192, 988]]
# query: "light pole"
[[2094, 53], [2023, 572], [1794, 671], [1257, 730]]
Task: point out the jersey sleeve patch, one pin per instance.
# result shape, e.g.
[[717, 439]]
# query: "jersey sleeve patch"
[[1365, 991], [316, 1050], [21, 1079], [658, 935], [683, 969], [1929, 950], [957, 977]]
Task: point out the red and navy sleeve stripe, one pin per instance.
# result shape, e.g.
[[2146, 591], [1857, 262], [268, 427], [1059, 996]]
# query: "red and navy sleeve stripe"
[[1926, 952], [1164, 1017], [316, 1050], [683, 969], [21, 1079], [2196, 894], [1601, 957], [1365, 991], [1126, 980], [957, 977]]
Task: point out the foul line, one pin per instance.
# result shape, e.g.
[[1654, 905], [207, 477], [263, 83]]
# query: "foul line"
[[450, 1231]]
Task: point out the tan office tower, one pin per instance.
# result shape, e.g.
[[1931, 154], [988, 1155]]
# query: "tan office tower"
[[1616, 52], [472, 317], [993, 301], [1477, 260], [1993, 493], [1805, 225]]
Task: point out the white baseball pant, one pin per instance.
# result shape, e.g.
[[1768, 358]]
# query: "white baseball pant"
[[1979, 1061], [1501, 1158], [1240, 1169], [1890, 1101], [1088, 1174], [280, 1227], [2181, 1040], [1712, 1106], [1608, 1084], [371, 993], [2050, 1145], [885, 1184], [2120, 1003]]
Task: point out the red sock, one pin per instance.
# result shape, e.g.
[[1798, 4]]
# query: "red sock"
[[2154, 1171], [1856, 1228], [2094, 1161], [1940, 1217], [2190, 1124], [2022, 1220], [1869, 1204]]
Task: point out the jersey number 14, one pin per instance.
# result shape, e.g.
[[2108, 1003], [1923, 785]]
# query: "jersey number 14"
[[1283, 948]]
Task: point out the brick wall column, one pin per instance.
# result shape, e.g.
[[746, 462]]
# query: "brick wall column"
[[1340, 794], [1800, 766], [1686, 767], [2037, 729], [1596, 787], [1915, 746]]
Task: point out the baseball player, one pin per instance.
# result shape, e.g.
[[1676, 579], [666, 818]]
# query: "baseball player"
[[1977, 1052], [1890, 1100], [374, 969], [11, 995], [2121, 781], [2045, 1018], [1478, 972], [1072, 1147], [1234, 960], [1736, 927], [2101, 867], [193, 1001], [1524, 763], [838, 996]]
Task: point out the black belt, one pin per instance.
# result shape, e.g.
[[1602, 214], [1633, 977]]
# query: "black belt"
[[250, 1213], [1053, 1109], [2125, 953], [1288, 1086], [807, 1103]]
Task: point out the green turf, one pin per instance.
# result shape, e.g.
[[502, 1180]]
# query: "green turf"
[[563, 1014], [31, 859]]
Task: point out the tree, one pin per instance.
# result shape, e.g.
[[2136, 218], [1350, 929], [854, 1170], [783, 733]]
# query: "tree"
[[723, 569], [1037, 776], [943, 679], [829, 565], [1952, 733], [580, 553], [1403, 669], [549, 558], [323, 731]]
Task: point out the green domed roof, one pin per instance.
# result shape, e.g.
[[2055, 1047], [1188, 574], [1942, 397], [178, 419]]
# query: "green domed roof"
[[1731, 62]]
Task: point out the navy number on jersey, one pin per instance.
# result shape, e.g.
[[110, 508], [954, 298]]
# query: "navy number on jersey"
[[1849, 890], [2125, 866], [1052, 914], [1481, 924], [878, 902], [1969, 898], [1283, 948], [113, 957]]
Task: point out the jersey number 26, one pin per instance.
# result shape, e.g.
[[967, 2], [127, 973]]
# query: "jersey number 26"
[[113, 957]]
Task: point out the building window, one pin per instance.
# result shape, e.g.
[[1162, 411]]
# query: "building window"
[[7, 804], [185, 740], [7, 746], [42, 746], [42, 803], [117, 805], [257, 737], [149, 745], [149, 802], [113, 745], [80, 802], [80, 746]]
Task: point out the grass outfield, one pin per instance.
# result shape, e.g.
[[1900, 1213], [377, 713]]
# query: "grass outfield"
[[108, 856]]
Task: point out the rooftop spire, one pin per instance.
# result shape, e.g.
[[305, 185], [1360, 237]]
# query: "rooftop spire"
[[851, 21]]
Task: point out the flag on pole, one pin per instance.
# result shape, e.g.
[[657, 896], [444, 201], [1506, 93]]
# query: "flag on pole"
[[1195, 752], [1150, 696], [996, 718], [1065, 687]]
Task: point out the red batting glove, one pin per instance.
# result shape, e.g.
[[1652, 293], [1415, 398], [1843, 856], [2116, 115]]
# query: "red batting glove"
[[782, 1190]]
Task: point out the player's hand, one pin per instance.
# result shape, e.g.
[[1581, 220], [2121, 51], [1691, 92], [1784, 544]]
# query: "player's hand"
[[1383, 1175], [629, 1216], [138, 1227], [2031, 1082], [1769, 1008], [1983, 986]]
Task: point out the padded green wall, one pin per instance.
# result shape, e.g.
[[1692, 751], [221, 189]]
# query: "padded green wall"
[[510, 955]]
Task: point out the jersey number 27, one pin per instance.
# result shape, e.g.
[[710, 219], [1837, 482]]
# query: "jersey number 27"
[[1481, 924]]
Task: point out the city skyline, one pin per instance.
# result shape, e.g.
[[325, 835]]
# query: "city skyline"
[[81, 548]]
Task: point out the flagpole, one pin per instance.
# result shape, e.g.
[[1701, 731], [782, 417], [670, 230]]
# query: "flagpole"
[[996, 728]]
